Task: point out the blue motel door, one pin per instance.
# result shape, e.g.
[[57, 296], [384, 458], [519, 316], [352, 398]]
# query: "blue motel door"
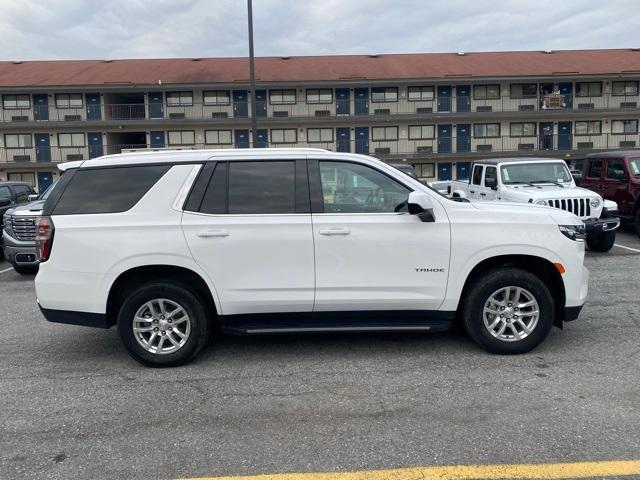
[[343, 142], [362, 140]]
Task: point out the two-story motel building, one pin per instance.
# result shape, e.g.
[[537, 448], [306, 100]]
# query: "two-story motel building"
[[437, 111]]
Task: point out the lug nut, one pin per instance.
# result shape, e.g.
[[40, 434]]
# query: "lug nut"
[[170, 321], [155, 320], [155, 329], [162, 332], [170, 329]]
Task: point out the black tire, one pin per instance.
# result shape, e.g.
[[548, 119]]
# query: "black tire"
[[25, 270], [179, 293], [483, 288], [601, 242], [637, 222]]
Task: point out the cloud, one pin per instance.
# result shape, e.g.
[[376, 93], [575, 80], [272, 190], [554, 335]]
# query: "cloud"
[[65, 29]]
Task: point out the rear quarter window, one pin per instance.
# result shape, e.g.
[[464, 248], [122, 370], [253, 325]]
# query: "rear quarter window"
[[104, 190]]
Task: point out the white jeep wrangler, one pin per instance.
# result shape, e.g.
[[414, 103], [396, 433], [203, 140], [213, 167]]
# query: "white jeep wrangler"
[[545, 182]]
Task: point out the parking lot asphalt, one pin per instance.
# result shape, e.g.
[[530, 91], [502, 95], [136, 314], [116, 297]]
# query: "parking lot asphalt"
[[75, 406]]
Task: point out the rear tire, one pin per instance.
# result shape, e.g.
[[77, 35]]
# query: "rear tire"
[[171, 321], [601, 242], [526, 295]]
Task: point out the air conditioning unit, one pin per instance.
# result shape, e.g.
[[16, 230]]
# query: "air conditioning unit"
[[74, 156], [585, 106], [585, 145], [484, 108], [219, 114], [382, 151], [524, 146], [524, 108], [424, 110], [382, 111], [72, 118], [627, 143], [322, 113], [22, 158], [485, 148], [629, 105], [425, 149], [177, 115], [280, 113], [20, 118]]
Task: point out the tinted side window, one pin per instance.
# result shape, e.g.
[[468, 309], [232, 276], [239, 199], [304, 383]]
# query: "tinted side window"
[[477, 175], [490, 174], [354, 188], [5, 192], [615, 169], [262, 187], [107, 190], [22, 193], [595, 169], [215, 197]]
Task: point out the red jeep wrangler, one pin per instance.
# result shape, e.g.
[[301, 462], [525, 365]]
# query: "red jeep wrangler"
[[616, 176]]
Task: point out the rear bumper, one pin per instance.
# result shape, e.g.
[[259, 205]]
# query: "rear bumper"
[[96, 320]]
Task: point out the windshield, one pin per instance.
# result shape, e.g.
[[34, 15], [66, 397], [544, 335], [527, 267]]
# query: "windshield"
[[535, 173], [634, 167]]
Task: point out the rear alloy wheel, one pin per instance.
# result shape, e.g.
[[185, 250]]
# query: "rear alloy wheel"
[[163, 324], [601, 242], [508, 311]]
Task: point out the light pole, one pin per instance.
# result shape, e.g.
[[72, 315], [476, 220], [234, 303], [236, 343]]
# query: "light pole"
[[252, 76]]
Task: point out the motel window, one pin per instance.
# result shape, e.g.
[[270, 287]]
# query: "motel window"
[[17, 140], [384, 94], [71, 140], [425, 170], [182, 137], [319, 135], [593, 127], [322, 95], [216, 97], [486, 130], [381, 134], [16, 101], [619, 89], [284, 135], [68, 100], [282, 97], [421, 132], [177, 99], [588, 89], [624, 126], [28, 177], [418, 94], [523, 129], [486, 92], [217, 137], [523, 90]]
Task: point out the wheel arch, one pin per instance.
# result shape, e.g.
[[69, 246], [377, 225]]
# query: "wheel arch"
[[538, 266], [128, 279]]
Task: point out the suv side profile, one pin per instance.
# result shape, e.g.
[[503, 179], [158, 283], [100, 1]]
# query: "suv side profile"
[[616, 176], [170, 246]]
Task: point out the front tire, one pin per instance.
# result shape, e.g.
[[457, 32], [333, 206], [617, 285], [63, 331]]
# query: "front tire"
[[601, 242], [508, 311], [163, 324]]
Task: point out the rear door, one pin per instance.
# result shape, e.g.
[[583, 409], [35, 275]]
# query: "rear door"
[[592, 175], [484, 192], [370, 253], [248, 225]]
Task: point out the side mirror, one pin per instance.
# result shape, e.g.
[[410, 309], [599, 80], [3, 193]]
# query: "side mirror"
[[420, 204], [491, 183], [33, 197], [4, 202]]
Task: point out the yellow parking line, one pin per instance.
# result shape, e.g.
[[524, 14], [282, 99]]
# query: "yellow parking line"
[[543, 471]]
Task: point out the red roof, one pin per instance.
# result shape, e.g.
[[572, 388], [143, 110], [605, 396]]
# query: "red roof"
[[320, 68]]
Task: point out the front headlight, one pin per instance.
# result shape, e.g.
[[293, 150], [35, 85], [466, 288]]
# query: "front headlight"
[[573, 232], [541, 202], [595, 202]]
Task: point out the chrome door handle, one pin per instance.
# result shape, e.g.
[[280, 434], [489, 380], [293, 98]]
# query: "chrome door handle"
[[472, 191], [213, 233], [335, 231]]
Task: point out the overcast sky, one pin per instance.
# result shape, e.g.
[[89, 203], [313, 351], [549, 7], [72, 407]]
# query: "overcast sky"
[[100, 29]]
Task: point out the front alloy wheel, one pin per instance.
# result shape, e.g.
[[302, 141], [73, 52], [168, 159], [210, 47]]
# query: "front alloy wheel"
[[511, 314]]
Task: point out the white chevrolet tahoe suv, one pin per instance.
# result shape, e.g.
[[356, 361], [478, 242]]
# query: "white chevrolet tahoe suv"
[[170, 246]]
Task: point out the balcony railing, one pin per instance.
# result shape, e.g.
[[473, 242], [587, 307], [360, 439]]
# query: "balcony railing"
[[425, 148], [337, 108]]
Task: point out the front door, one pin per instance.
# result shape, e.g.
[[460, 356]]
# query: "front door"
[[444, 138], [360, 209], [566, 89], [252, 236], [616, 184], [463, 137], [241, 138], [483, 191], [156, 139], [462, 170], [362, 140], [361, 99], [262, 138], [40, 106], [95, 144], [444, 98], [565, 138], [261, 103], [45, 179], [444, 171], [43, 147], [240, 108], [93, 106], [545, 135], [156, 105], [343, 139], [463, 98], [343, 101]]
